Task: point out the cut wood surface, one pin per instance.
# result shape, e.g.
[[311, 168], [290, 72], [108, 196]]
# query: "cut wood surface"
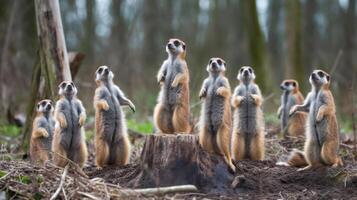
[[168, 160]]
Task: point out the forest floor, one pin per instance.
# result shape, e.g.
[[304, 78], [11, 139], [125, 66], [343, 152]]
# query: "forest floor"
[[257, 179]]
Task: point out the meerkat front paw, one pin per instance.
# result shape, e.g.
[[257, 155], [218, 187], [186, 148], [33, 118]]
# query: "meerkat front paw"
[[160, 78], [293, 110], [319, 116], [62, 123], [202, 93], [104, 106], [256, 99], [82, 120], [221, 91], [132, 106], [175, 83], [45, 134], [236, 101]]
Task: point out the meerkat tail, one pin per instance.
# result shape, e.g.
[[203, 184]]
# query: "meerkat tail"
[[296, 159]]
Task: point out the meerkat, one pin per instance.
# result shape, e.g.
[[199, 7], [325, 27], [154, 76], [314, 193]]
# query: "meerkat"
[[322, 133], [216, 119], [295, 125], [42, 132], [112, 145], [172, 112], [248, 123], [69, 141]]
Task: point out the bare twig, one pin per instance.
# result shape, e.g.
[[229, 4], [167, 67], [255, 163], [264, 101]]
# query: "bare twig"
[[88, 195], [63, 177], [163, 190]]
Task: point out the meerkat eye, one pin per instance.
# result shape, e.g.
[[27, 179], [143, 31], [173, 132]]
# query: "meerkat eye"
[[250, 70], [62, 85], [286, 83], [100, 70], [210, 61], [176, 43], [294, 84], [43, 103], [184, 47], [219, 61], [321, 74], [72, 84]]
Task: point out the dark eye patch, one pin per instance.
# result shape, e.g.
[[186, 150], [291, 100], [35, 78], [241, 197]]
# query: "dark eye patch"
[[241, 70], [176, 43], [321, 74], [62, 85], [250, 70], [286, 84], [184, 47], [219, 61], [100, 70], [43, 103], [210, 61], [294, 84]]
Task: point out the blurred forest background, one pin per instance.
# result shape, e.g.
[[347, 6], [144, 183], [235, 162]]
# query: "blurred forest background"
[[279, 38]]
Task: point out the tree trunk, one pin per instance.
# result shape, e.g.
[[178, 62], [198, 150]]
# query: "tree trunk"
[[168, 160], [257, 47], [293, 25], [52, 62]]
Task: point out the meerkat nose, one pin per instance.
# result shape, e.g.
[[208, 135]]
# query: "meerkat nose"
[[106, 71], [246, 73], [169, 45], [214, 65]]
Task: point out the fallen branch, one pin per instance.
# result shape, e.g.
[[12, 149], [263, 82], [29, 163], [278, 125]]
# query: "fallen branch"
[[88, 195], [163, 190], [63, 177]]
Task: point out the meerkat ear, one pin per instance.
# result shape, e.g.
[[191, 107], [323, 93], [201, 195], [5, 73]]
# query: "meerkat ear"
[[224, 67], [207, 68]]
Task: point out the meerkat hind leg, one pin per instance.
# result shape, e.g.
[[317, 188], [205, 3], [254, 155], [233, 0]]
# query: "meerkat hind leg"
[[101, 153], [238, 146], [60, 157], [180, 120], [122, 152], [162, 119], [329, 155], [257, 147], [205, 140], [223, 138]]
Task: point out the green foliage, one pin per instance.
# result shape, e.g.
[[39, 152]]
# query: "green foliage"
[[10, 130], [89, 135], [2, 173], [346, 126], [141, 127], [24, 179], [271, 118]]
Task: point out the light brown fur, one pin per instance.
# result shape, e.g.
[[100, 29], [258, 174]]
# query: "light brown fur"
[[38, 153], [315, 156], [296, 123], [181, 110]]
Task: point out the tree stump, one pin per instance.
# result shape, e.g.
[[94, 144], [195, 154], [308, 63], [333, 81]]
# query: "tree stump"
[[168, 160]]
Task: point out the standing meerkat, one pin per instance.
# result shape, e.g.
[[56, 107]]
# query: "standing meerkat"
[[42, 132], [248, 124], [69, 141], [216, 119], [172, 112], [295, 125], [322, 134], [112, 144]]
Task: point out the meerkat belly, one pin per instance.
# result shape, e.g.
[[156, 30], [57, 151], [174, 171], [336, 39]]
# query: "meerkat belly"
[[111, 119], [171, 93], [215, 109], [71, 135], [318, 129], [286, 108], [47, 141], [247, 113]]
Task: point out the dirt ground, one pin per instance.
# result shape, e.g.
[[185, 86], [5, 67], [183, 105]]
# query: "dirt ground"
[[255, 179]]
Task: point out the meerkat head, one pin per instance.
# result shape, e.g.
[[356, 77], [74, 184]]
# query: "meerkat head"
[[289, 85], [45, 106], [216, 66], [176, 47], [319, 78], [246, 74], [103, 73], [67, 89]]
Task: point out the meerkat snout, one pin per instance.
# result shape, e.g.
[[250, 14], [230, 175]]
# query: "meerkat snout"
[[216, 65], [175, 46]]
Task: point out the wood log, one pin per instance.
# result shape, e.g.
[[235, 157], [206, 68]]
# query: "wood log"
[[168, 160], [75, 60]]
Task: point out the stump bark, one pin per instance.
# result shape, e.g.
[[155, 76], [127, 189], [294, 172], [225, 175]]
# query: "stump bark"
[[168, 160]]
